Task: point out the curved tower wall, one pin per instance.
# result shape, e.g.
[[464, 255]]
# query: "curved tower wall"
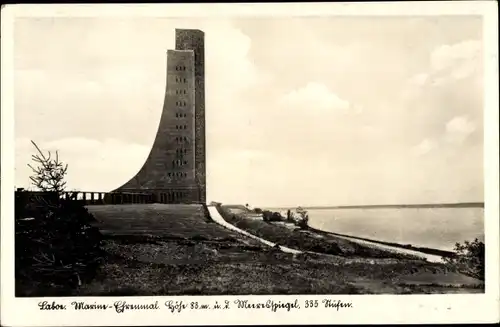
[[176, 163]]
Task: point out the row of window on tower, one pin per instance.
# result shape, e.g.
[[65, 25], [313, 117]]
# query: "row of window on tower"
[[180, 68], [180, 79], [177, 174], [180, 139], [180, 91], [181, 151], [179, 163], [180, 126], [180, 103], [180, 115]]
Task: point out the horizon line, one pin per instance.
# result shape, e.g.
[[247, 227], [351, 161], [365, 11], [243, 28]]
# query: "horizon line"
[[416, 205]]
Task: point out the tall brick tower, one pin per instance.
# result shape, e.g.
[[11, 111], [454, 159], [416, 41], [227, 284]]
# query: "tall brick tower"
[[194, 40], [176, 163]]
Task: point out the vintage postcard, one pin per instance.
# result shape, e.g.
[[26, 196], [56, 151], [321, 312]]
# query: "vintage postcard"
[[250, 164]]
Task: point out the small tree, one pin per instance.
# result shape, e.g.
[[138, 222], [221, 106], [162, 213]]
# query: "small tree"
[[57, 246], [304, 218], [469, 258], [49, 173]]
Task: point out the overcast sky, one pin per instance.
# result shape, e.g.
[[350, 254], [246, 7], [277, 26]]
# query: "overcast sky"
[[312, 111]]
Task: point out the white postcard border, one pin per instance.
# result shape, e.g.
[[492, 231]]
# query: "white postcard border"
[[370, 309]]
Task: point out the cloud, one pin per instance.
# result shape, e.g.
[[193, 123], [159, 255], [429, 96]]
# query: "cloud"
[[451, 56], [458, 129], [93, 165], [424, 147], [450, 63], [314, 96], [419, 79], [230, 66]]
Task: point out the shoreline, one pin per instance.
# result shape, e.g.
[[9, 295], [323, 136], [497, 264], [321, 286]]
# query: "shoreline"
[[391, 206], [217, 216], [307, 240], [425, 250], [433, 252]]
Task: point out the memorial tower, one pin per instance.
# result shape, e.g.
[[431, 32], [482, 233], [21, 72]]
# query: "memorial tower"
[[176, 163]]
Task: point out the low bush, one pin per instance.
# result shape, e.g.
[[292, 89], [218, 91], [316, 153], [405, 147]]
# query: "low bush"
[[469, 258], [271, 216], [55, 243]]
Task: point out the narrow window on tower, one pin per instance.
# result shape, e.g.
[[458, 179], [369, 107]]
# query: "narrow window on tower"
[[184, 103], [184, 80], [184, 91]]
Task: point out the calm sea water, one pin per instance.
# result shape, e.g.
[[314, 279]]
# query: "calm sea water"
[[438, 228]]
